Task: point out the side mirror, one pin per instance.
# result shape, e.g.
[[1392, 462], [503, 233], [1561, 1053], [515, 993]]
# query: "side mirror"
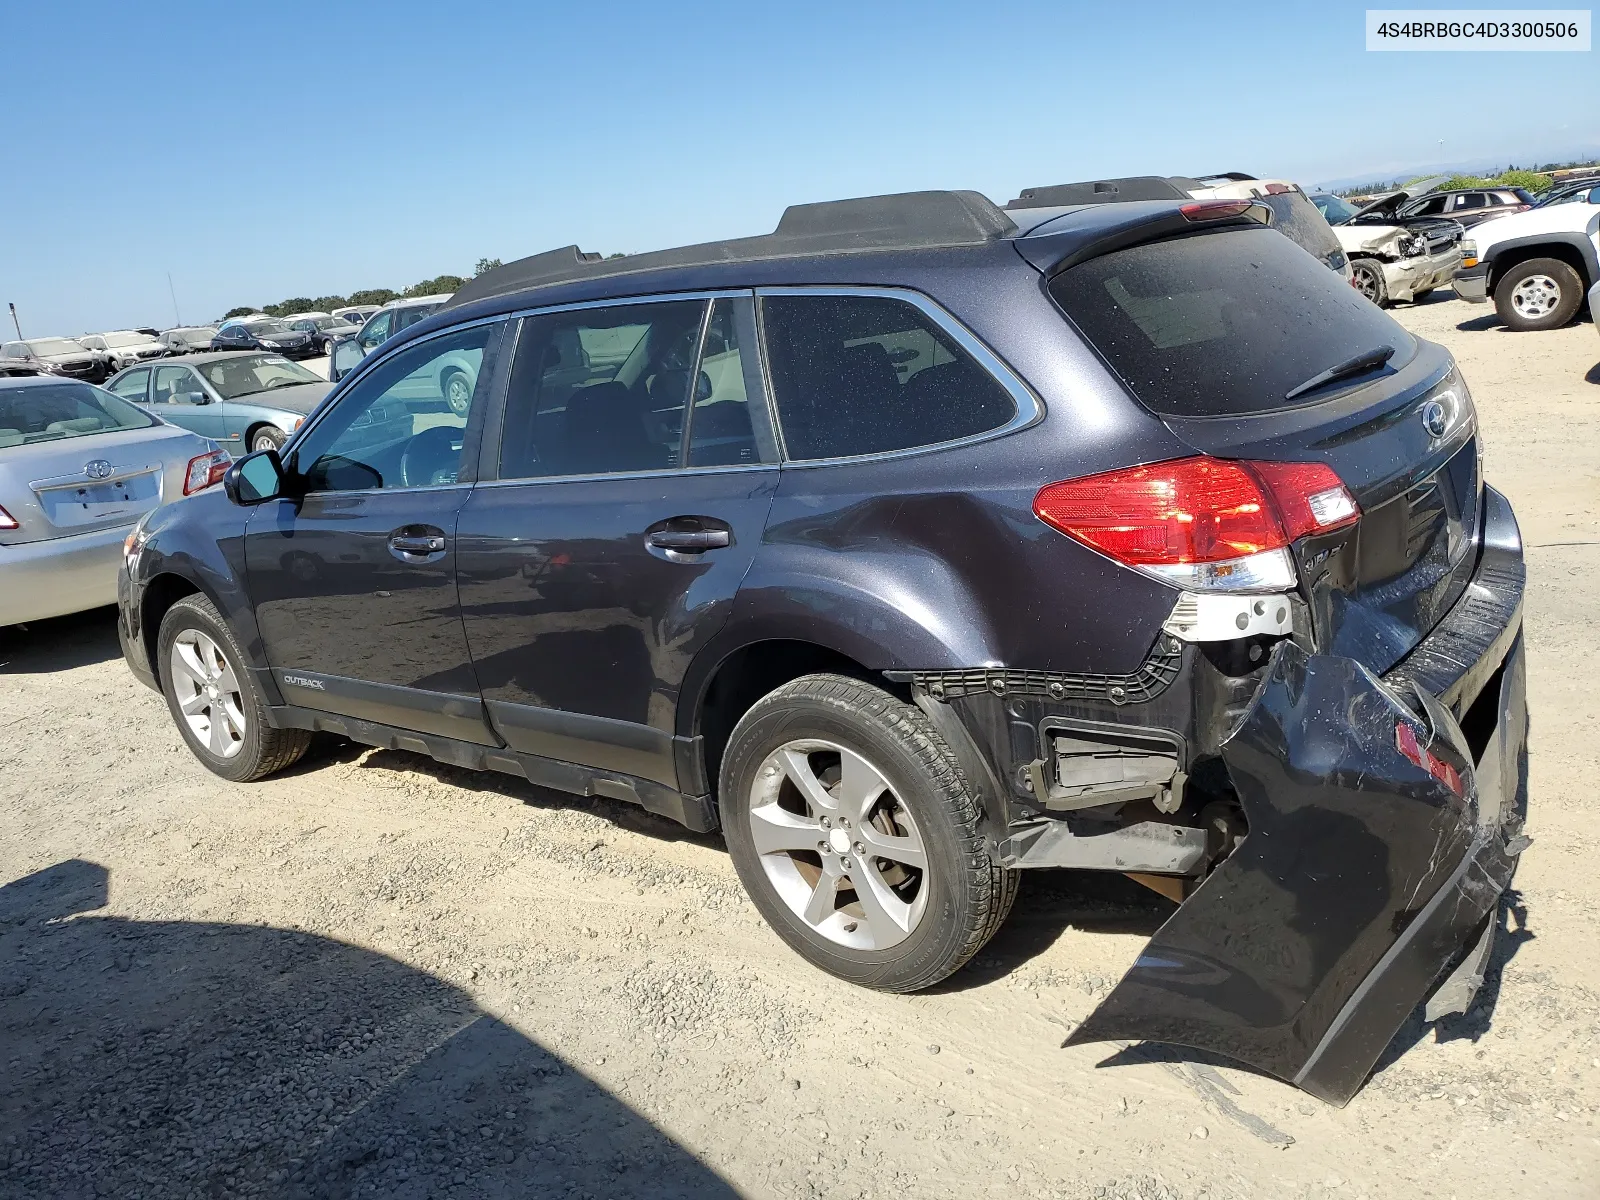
[[344, 356], [255, 478]]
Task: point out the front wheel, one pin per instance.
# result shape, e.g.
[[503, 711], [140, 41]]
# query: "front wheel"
[[1367, 274], [1542, 293], [267, 438], [856, 835], [213, 698]]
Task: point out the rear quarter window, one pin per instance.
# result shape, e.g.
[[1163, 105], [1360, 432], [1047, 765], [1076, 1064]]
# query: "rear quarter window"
[[859, 375], [1221, 324]]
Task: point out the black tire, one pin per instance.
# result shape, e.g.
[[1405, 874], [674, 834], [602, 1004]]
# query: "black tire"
[[1419, 297], [970, 895], [1552, 283], [457, 400], [262, 749], [266, 437], [1369, 281]]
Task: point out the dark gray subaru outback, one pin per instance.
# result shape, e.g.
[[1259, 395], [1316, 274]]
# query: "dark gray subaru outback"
[[914, 545]]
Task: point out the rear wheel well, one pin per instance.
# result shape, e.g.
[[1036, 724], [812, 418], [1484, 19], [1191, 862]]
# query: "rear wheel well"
[[1563, 251], [160, 594], [750, 672]]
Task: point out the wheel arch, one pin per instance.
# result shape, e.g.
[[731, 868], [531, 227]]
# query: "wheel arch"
[[1574, 249], [161, 592]]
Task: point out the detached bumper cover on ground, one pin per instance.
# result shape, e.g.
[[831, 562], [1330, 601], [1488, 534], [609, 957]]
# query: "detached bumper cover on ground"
[[1381, 837]]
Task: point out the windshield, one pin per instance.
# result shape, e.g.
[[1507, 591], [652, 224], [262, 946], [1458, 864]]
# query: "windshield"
[[329, 323], [55, 346], [114, 340], [1221, 324], [267, 328], [1334, 208], [244, 376], [63, 410]]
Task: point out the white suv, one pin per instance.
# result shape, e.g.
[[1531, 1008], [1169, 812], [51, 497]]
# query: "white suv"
[[1536, 264]]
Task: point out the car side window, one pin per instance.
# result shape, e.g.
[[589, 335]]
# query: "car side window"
[[868, 375], [132, 386], [173, 385], [404, 423], [600, 390], [376, 330], [723, 429], [1472, 200]]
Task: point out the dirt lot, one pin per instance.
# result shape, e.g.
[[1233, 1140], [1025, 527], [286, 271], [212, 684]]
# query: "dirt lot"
[[380, 976]]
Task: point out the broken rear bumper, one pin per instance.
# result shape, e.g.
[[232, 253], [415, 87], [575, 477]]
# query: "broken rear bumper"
[[1384, 823]]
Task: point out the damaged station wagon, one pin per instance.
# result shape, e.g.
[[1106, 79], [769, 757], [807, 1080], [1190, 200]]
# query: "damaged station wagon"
[[915, 545]]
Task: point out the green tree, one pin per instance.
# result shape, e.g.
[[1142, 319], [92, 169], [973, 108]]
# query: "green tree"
[[238, 312], [374, 296], [435, 286], [284, 307], [1456, 182], [486, 264], [328, 303], [1531, 180]]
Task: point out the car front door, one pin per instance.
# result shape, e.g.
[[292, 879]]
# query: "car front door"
[[633, 470], [177, 395], [354, 582], [376, 331]]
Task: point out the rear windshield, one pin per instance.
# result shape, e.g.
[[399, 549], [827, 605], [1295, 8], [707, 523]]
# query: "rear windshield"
[[1222, 324], [1297, 219], [49, 413]]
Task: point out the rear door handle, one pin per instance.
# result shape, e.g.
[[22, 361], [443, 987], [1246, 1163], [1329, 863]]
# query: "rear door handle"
[[691, 541]]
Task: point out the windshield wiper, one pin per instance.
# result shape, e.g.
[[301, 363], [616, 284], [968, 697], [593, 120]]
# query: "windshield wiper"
[[1371, 360]]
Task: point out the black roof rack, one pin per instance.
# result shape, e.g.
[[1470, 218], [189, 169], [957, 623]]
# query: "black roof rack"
[[1105, 191], [907, 221]]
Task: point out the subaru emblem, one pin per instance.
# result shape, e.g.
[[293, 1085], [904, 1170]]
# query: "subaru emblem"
[[97, 468], [1434, 419]]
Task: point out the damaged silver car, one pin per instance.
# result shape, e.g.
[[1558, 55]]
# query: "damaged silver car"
[[1394, 257]]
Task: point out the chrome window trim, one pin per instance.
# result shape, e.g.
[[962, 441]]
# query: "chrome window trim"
[[647, 298], [652, 473], [1030, 408]]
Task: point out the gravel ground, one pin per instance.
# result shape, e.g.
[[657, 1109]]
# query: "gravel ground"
[[377, 975]]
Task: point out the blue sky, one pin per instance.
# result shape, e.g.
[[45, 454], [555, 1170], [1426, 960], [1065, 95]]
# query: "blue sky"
[[213, 141]]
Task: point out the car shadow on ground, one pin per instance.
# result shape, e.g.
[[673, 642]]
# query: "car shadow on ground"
[[1479, 324], [1051, 902], [185, 1058], [60, 643], [1593, 374]]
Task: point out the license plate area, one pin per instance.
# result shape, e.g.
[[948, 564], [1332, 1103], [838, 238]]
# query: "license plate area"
[[101, 503]]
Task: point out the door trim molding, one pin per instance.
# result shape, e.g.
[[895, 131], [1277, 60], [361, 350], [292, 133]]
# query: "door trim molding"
[[603, 742], [444, 713]]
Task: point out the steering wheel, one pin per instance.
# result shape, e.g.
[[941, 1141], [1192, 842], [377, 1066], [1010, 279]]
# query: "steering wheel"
[[429, 455]]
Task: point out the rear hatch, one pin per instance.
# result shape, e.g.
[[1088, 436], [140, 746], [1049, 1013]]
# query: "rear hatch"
[[1223, 333], [76, 460]]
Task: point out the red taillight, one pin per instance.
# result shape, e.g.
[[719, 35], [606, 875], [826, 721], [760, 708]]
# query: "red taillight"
[[1214, 210], [1405, 740], [7, 521], [205, 470], [1198, 511]]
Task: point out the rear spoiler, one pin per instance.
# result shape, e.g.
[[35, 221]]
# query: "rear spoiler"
[[1085, 233]]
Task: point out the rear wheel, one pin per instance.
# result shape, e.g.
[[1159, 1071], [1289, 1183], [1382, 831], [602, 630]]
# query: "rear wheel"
[[213, 698], [1368, 277], [856, 836], [1542, 293]]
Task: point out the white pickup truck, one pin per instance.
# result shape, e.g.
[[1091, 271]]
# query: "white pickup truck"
[[1536, 264]]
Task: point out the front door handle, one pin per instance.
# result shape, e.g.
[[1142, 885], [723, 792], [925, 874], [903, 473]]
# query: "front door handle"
[[416, 547], [690, 541]]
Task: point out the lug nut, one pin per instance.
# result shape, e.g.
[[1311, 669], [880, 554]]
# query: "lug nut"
[[860, 849], [823, 847], [826, 823], [845, 862], [844, 822]]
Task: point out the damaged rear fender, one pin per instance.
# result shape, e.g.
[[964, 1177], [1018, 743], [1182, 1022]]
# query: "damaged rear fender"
[[1366, 870]]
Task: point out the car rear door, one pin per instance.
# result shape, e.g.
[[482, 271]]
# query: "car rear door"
[[621, 519], [354, 581]]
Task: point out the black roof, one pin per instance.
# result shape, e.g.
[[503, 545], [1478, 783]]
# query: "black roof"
[[907, 221]]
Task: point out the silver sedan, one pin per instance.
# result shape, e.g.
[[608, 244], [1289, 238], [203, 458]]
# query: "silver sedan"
[[79, 467]]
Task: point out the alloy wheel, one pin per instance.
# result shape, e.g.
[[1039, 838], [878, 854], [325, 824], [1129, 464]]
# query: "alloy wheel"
[[838, 846], [1367, 283], [208, 693], [1536, 296], [457, 394]]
